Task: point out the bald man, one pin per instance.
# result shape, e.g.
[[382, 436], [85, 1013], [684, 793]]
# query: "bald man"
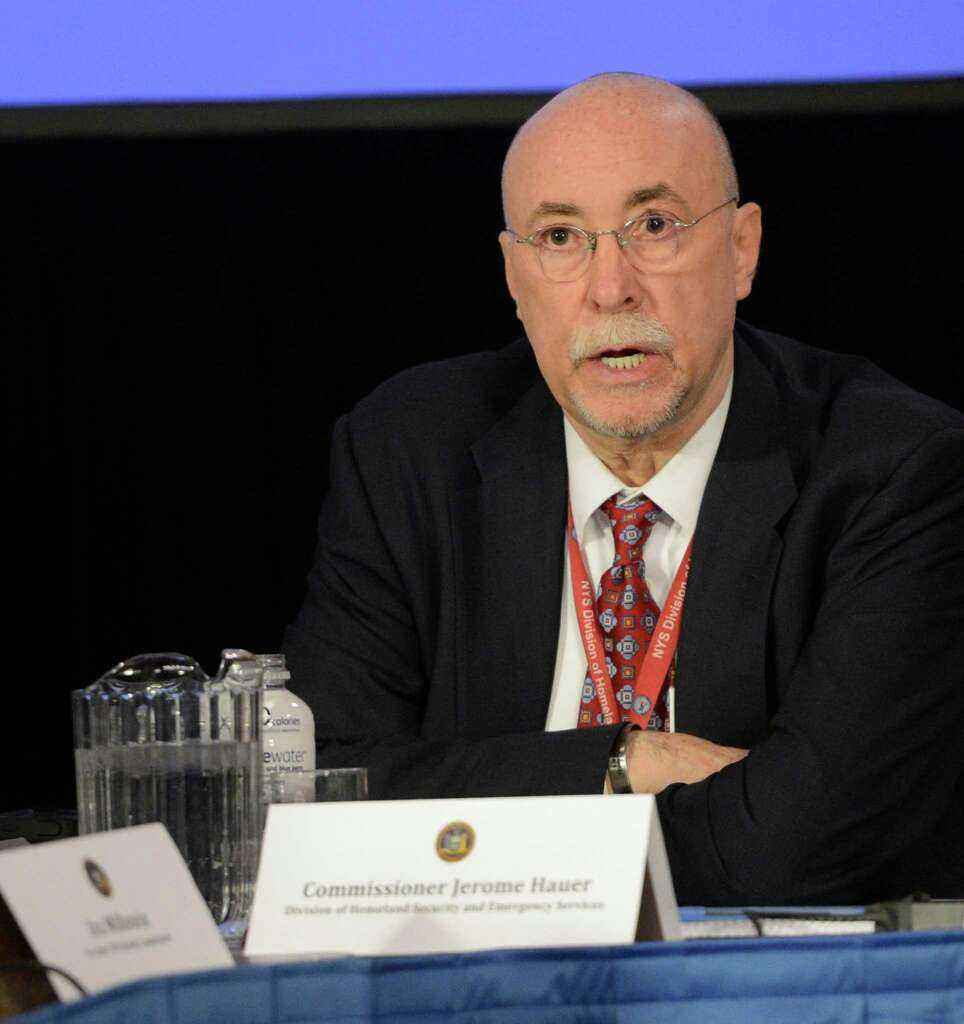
[[650, 548]]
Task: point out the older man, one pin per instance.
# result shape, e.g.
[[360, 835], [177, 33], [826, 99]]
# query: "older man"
[[668, 554]]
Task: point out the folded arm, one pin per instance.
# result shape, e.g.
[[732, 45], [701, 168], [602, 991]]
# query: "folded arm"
[[858, 772], [370, 650]]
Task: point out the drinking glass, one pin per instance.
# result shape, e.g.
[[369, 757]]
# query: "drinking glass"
[[318, 786]]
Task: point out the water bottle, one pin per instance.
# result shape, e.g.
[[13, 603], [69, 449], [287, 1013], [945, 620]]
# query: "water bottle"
[[287, 734], [156, 739]]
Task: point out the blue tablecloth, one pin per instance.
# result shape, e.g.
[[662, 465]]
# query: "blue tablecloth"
[[906, 977]]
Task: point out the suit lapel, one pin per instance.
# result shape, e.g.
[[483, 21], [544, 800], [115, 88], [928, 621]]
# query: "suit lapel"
[[508, 533], [508, 536], [736, 551]]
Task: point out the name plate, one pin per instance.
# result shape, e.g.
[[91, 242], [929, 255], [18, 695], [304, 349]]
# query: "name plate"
[[110, 907], [429, 876]]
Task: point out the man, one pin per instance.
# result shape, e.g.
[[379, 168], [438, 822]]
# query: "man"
[[804, 741]]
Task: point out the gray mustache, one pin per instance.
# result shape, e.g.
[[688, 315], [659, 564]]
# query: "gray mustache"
[[619, 331]]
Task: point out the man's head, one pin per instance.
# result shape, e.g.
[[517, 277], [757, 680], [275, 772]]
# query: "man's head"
[[637, 348]]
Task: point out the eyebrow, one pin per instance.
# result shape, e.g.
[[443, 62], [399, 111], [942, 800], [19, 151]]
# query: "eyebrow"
[[658, 191], [553, 210], [638, 197]]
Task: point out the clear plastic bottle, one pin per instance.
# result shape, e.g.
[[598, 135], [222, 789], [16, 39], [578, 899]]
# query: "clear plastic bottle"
[[287, 732]]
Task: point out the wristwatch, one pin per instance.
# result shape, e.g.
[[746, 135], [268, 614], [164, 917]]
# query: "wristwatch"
[[618, 771]]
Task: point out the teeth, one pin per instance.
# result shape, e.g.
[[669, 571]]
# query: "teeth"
[[624, 362]]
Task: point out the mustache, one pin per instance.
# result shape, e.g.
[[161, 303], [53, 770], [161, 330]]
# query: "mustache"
[[620, 330]]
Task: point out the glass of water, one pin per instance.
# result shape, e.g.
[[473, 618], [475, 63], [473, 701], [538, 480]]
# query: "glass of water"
[[318, 786]]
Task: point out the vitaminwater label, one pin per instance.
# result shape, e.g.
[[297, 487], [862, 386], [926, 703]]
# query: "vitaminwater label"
[[288, 745]]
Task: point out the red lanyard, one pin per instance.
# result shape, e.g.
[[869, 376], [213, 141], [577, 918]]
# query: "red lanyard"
[[662, 644]]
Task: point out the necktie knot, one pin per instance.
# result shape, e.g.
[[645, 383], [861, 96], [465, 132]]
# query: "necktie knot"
[[632, 521]]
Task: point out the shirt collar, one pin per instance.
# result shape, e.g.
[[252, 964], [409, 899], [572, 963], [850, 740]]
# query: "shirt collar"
[[677, 488]]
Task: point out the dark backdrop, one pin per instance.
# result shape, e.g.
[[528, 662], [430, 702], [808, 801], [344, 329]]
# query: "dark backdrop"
[[185, 317]]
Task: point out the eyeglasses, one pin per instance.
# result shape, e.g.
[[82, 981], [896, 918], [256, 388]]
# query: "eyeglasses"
[[649, 241]]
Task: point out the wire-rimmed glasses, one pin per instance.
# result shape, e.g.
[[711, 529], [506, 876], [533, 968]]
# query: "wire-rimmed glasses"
[[649, 241]]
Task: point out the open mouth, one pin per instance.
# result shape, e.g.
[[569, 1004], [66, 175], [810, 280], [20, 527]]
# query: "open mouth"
[[625, 359]]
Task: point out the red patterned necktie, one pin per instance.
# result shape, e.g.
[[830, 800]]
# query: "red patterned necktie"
[[627, 614]]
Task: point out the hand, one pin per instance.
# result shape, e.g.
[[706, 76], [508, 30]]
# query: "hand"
[[656, 760]]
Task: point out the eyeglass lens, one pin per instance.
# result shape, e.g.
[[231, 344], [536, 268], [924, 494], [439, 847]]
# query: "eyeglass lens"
[[648, 242]]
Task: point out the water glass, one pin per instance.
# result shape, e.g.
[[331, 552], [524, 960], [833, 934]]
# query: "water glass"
[[317, 786]]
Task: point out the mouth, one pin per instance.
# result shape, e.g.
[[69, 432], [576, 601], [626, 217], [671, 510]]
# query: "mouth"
[[623, 358]]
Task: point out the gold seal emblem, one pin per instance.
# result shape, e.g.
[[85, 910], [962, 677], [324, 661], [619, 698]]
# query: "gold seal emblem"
[[455, 841], [98, 877]]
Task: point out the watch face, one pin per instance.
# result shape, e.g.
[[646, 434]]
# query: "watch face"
[[618, 779]]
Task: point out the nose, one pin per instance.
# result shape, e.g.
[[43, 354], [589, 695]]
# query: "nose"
[[614, 284]]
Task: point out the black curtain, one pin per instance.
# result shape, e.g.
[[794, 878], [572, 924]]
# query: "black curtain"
[[186, 317]]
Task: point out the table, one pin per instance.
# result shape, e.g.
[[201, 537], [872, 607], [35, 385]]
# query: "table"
[[869, 978]]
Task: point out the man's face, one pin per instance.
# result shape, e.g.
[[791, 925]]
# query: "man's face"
[[629, 353]]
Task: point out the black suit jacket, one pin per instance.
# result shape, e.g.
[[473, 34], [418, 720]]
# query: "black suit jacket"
[[823, 626]]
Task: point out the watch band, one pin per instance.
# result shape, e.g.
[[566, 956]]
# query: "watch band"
[[618, 770]]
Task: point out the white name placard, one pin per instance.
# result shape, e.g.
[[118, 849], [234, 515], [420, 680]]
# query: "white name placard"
[[426, 876], [110, 907]]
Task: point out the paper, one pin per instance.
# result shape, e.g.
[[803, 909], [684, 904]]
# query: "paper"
[[421, 876], [110, 907]]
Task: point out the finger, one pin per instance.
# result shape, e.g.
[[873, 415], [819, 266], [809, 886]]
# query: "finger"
[[713, 750], [734, 753]]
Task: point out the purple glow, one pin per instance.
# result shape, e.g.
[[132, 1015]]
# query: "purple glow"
[[93, 51]]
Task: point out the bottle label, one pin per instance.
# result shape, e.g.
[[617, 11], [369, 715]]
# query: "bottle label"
[[288, 741], [285, 760]]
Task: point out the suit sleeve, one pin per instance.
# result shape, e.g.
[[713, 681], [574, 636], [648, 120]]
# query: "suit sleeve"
[[362, 653], [865, 749]]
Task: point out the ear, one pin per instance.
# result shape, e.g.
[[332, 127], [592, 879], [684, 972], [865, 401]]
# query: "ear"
[[747, 231], [506, 242]]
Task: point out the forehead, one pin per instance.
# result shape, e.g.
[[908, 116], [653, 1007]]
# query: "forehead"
[[594, 153]]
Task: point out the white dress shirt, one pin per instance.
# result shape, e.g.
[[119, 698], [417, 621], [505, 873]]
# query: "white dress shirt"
[[677, 489]]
